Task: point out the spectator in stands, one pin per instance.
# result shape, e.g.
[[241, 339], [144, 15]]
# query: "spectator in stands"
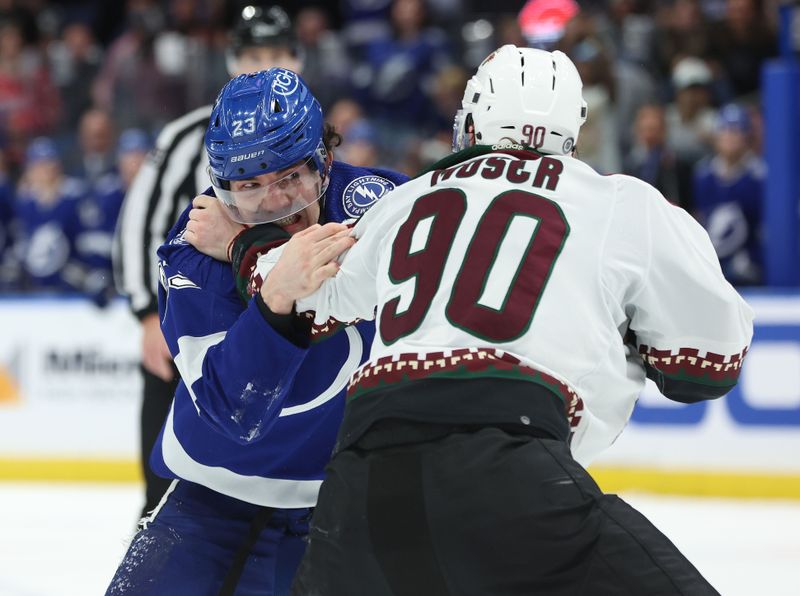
[[98, 213], [95, 155], [690, 118], [74, 59], [682, 31], [29, 104], [132, 85], [447, 90], [360, 145], [599, 144], [326, 65], [632, 30], [653, 161], [394, 78], [728, 191], [23, 14], [344, 113], [741, 43], [132, 148], [190, 51], [364, 22], [756, 129], [620, 86], [47, 211]]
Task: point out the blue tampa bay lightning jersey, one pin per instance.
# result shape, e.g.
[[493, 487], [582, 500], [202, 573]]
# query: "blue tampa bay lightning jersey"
[[48, 231], [254, 416], [97, 217], [730, 209]]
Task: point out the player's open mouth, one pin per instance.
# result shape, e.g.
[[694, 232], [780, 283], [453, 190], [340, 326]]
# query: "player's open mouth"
[[287, 221]]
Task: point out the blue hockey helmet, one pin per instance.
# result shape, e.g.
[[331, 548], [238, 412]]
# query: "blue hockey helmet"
[[41, 149], [734, 117], [261, 123]]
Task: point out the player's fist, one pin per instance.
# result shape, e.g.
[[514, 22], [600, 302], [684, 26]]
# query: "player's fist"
[[209, 229], [307, 260]]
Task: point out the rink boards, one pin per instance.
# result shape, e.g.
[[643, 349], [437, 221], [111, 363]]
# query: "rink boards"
[[70, 391]]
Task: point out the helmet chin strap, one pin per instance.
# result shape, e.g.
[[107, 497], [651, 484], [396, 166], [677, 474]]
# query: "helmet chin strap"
[[326, 178]]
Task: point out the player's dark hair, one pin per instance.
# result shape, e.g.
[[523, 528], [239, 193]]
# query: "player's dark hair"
[[330, 137]]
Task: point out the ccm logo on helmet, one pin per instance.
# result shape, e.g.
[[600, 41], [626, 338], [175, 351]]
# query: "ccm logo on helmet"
[[362, 192], [236, 158], [285, 83]]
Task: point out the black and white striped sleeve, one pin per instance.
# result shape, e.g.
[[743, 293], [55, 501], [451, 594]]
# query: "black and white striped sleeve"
[[173, 174]]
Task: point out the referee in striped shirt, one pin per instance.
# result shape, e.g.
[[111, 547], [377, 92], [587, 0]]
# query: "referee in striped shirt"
[[173, 174]]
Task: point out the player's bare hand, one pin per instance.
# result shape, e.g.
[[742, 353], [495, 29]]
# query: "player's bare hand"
[[308, 259], [156, 357], [209, 229]]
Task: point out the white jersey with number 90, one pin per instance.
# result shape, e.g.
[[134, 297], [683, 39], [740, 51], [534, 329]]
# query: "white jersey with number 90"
[[589, 279]]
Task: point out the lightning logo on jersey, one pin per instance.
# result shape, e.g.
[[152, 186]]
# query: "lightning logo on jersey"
[[363, 192], [177, 281]]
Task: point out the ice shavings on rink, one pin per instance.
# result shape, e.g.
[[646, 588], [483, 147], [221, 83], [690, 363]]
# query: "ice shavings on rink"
[[67, 539]]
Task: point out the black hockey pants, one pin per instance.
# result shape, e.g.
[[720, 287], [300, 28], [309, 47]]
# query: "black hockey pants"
[[481, 513]]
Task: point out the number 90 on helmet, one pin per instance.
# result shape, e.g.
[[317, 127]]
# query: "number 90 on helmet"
[[261, 123], [522, 96]]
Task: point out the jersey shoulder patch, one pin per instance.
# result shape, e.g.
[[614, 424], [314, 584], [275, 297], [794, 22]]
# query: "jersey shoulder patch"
[[362, 192], [177, 281]]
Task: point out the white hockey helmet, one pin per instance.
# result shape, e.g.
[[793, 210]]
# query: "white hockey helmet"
[[523, 96]]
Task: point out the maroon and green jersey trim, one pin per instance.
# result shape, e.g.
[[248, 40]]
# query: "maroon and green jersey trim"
[[687, 364], [463, 363], [321, 332]]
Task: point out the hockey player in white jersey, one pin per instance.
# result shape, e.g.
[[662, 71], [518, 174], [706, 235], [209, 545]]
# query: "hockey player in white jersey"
[[522, 299]]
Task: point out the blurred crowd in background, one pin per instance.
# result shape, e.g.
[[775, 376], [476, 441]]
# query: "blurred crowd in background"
[[85, 86]]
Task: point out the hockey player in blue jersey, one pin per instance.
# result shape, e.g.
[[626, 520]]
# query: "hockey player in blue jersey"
[[46, 212], [98, 214], [256, 414], [728, 191]]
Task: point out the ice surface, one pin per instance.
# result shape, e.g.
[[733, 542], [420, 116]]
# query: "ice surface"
[[67, 539]]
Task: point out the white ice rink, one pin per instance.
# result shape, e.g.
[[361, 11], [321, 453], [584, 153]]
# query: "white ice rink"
[[66, 539]]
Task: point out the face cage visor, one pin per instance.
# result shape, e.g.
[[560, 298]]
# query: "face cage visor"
[[461, 138], [253, 202]]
